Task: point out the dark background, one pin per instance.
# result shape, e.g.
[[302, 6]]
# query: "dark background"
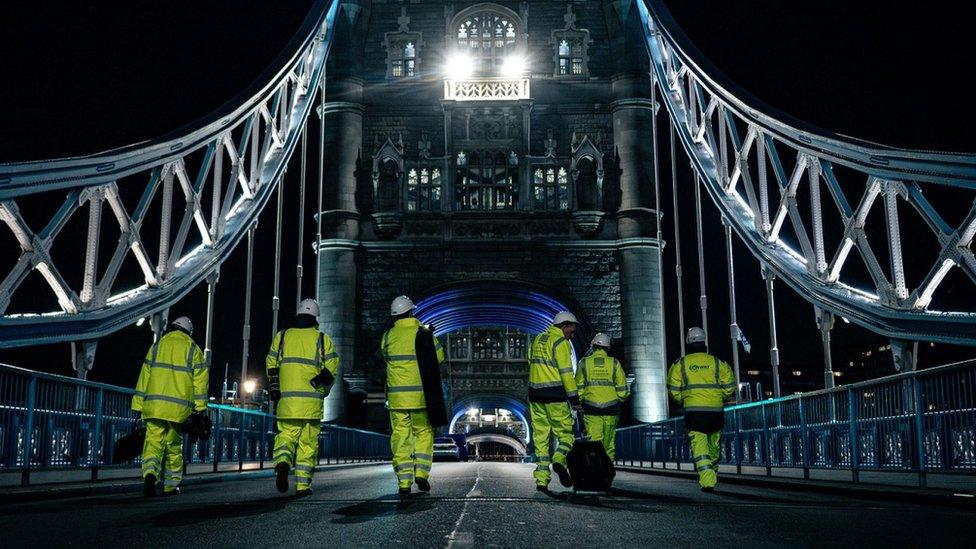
[[85, 77]]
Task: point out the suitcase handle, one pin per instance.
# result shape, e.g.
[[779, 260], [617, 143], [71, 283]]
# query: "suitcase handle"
[[579, 428]]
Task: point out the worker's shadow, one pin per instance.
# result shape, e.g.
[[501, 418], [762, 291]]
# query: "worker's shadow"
[[385, 506], [187, 516], [600, 502]]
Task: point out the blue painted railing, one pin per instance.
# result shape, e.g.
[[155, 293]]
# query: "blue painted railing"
[[50, 422], [917, 422]]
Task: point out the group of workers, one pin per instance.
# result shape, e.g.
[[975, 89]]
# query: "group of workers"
[[302, 364]]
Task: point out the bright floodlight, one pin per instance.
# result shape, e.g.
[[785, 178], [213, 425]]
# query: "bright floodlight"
[[513, 66], [459, 66], [249, 386]]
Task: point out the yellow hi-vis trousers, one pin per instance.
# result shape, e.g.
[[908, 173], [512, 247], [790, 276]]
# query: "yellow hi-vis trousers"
[[297, 444], [550, 419], [603, 429], [412, 442], [163, 453], [705, 453]]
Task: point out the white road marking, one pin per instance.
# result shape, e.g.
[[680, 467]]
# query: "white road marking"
[[464, 539]]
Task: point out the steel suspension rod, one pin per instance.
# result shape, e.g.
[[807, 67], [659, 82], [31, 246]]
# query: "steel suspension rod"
[[247, 310], [733, 324], [276, 299], [677, 246], [657, 209], [703, 298], [301, 219]]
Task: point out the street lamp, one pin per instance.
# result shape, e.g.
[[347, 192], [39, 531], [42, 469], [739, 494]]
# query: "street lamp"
[[249, 387]]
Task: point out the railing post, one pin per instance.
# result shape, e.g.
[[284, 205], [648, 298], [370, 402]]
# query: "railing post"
[[263, 441], [855, 451], [29, 430], [240, 440], [215, 442], [919, 432], [97, 436], [803, 440], [764, 447]]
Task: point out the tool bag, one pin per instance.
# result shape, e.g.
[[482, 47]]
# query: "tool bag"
[[430, 376], [588, 462]]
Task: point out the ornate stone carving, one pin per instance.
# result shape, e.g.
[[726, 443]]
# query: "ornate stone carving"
[[487, 89], [588, 223], [387, 224]]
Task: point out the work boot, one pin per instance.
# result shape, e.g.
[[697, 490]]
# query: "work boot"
[[281, 477], [404, 493], [708, 489], [302, 492], [172, 492], [149, 485], [542, 488], [423, 484], [564, 478]]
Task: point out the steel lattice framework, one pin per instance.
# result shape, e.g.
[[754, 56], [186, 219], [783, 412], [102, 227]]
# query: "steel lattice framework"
[[231, 162], [734, 145]]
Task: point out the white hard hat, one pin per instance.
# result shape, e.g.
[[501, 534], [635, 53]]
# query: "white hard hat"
[[695, 335], [401, 305], [309, 307], [184, 324], [601, 340], [563, 317]]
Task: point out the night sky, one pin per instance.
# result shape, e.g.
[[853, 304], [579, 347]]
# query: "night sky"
[[90, 76]]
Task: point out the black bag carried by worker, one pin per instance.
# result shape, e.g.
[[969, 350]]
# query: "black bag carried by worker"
[[589, 464], [129, 447], [198, 426], [430, 376]]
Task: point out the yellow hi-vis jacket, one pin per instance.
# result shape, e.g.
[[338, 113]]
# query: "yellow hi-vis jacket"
[[551, 368], [305, 353], [404, 388], [701, 383], [173, 381], [602, 384]]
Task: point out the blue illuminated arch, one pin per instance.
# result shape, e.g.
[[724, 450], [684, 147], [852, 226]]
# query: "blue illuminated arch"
[[509, 304], [518, 408]]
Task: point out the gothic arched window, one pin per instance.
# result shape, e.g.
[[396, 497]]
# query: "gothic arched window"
[[489, 34], [550, 185], [423, 189], [487, 180]]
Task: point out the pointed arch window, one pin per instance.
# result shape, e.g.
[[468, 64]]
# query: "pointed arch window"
[[550, 186], [488, 34], [487, 180], [424, 189]]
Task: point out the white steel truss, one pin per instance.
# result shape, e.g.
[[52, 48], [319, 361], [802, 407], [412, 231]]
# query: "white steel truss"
[[734, 145], [238, 158]]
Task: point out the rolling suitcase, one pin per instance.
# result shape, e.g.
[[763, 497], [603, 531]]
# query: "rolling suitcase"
[[588, 462]]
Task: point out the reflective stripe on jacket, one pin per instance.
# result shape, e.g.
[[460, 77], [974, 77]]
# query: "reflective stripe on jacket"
[[173, 381], [701, 383], [551, 367], [404, 388], [305, 354], [602, 383]]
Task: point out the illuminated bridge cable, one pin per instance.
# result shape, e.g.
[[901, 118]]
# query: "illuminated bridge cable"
[[276, 298], [301, 216], [703, 294], [677, 243], [657, 212]]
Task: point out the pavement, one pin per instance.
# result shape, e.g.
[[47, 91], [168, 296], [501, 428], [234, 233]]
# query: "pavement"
[[478, 505]]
